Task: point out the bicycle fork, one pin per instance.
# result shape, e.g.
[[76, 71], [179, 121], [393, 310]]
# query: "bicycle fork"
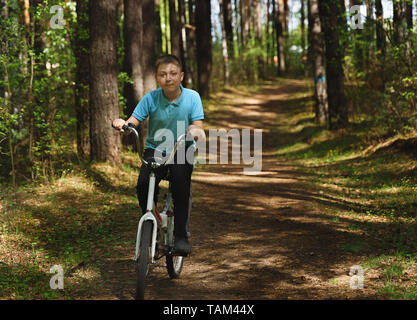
[[148, 216]]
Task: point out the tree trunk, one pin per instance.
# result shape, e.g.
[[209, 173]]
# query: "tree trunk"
[[25, 20], [286, 18], [279, 36], [303, 37], [167, 24], [310, 60], [317, 54], [257, 20], [158, 30], [28, 67], [187, 81], [285, 24], [82, 105], [244, 21], [203, 37], [191, 42], [358, 49], [369, 35], [380, 43], [226, 13], [224, 46], [409, 14], [333, 21], [175, 30], [238, 18], [258, 35], [275, 42], [104, 99], [380, 33], [133, 41], [400, 21], [148, 45], [267, 32], [24, 14]]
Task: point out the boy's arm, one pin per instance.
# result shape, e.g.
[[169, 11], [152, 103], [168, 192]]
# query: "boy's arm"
[[198, 123], [196, 130], [119, 123]]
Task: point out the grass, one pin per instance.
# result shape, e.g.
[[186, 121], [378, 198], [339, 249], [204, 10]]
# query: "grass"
[[375, 190], [353, 247], [80, 222], [397, 271]]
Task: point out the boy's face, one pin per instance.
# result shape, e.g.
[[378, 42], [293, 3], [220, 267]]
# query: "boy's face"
[[169, 77]]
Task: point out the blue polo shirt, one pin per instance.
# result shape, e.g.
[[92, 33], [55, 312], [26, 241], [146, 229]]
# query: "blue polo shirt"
[[174, 116]]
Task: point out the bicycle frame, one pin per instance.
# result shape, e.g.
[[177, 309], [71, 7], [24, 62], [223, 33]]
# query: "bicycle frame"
[[149, 215], [152, 213]]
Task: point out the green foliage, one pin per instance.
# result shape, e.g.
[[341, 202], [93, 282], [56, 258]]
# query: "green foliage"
[[372, 195], [245, 69], [122, 79], [383, 87], [11, 98], [39, 82], [294, 52]]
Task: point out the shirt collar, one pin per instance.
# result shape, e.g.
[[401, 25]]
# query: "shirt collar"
[[166, 102]]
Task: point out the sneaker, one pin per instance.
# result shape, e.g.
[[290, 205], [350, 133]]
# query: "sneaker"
[[182, 247]]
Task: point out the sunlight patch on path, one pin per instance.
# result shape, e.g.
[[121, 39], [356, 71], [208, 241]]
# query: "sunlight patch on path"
[[219, 178]]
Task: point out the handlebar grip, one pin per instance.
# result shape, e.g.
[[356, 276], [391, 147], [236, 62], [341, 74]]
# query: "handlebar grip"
[[129, 125]]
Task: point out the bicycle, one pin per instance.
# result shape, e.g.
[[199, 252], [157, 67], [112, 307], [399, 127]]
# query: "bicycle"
[[155, 236]]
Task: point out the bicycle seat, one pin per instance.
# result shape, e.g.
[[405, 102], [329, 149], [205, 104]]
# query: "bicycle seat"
[[155, 162]]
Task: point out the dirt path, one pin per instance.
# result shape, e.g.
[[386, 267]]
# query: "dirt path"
[[254, 236]]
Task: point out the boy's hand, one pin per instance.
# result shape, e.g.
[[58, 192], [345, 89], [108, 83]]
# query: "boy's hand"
[[118, 124], [196, 133]]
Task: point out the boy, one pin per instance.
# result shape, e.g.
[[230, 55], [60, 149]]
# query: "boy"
[[175, 108]]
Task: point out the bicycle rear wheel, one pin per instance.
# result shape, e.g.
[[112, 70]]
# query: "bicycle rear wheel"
[[174, 265], [143, 259]]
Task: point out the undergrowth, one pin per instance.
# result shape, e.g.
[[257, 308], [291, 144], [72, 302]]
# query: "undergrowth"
[[370, 174]]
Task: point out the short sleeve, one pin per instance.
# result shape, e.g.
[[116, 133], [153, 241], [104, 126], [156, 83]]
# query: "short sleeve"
[[197, 112], [141, 111]]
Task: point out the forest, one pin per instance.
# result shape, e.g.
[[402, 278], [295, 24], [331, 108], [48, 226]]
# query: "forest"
[[332, 84]]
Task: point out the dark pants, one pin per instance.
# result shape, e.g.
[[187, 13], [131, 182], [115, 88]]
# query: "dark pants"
[[180, 188]]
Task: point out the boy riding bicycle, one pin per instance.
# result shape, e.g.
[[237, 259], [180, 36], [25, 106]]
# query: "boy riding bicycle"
[[178, 110]]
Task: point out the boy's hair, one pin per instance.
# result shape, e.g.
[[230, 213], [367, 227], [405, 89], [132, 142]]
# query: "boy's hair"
[[168, 58]]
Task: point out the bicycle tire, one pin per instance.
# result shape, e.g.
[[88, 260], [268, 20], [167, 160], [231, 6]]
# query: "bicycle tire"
[[143, 259], [174, 265]]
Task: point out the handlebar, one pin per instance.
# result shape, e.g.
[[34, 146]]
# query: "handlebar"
[[130, 127]]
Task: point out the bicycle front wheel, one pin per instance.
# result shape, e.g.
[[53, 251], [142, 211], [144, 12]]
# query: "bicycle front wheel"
[[174, 265], [144, 259]]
